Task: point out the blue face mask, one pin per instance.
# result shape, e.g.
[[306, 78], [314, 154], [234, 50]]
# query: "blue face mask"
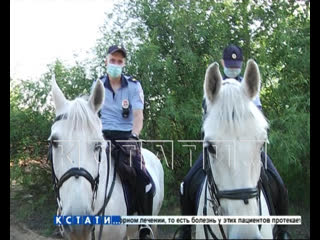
[[232, 72], [114, 70]]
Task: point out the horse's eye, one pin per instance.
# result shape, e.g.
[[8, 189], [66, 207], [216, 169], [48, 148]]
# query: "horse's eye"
[[212, 149], [97, 146], [54, 141]]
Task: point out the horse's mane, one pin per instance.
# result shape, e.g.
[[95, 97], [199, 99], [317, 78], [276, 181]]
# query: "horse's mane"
[[82, 120], [233, 112]]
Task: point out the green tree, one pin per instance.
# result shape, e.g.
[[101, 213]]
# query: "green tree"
[[170, 44], [32, 113]]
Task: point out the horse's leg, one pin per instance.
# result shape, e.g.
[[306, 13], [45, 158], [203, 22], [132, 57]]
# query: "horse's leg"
[[155, 231], [132, 231], [112, 232]]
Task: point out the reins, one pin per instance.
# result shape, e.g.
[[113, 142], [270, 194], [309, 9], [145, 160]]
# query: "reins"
[[215, 194]]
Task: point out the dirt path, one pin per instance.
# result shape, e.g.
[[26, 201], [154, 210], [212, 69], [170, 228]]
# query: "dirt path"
[[18, 229], [20, 232]]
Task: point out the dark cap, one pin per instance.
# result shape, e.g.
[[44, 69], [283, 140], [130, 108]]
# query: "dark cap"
[[232, 56], [116, 48]]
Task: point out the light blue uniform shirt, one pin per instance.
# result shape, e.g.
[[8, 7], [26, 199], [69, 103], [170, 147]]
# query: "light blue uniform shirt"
[[111, 111], [256, 100]]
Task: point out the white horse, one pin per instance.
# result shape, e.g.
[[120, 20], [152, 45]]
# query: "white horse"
[[235, 131], [79, 159]]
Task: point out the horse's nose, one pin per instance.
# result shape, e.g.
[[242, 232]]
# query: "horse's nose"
[[67, 229]]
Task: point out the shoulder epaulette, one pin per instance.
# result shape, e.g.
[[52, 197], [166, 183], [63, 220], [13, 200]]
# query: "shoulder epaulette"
[[240, 78], [103, 78], [131, 79]]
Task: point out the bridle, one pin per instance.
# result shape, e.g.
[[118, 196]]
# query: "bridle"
[[215, 195], [72, 172], [81, 172]]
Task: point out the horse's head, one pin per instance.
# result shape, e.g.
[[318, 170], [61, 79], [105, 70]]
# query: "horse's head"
[[235, 130], [76, 143]]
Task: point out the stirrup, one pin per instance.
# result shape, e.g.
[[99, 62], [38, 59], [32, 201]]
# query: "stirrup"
[[183, 232], [146, 227], [282, 234]]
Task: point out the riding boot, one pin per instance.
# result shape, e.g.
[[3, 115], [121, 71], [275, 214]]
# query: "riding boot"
[[282, 208], [146, 203], [279, 195], [282, 233], [185, 230], [280, 200]]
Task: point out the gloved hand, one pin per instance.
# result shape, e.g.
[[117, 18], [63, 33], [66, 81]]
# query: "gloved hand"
[[134, 136]]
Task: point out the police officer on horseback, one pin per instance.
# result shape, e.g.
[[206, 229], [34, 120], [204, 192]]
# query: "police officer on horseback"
[[232, 63], [122, 121]]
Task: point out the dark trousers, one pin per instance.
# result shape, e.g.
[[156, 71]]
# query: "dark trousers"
[[196, 175], [191, 184], [131, 171], [278, 190]]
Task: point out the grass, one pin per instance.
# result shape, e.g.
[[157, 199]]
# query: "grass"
[[33, 207], [300, 231]]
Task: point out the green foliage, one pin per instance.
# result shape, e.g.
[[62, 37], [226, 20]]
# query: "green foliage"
[[170, 44], [31, 116], [35, 204], [286, 98], [32, 113]]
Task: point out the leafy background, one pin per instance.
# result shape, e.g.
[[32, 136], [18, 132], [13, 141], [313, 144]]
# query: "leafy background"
[[170, 44]]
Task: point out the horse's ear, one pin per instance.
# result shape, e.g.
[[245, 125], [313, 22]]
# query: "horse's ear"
[[212, 82], [97, 96], [251, 82], [58, 97]]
